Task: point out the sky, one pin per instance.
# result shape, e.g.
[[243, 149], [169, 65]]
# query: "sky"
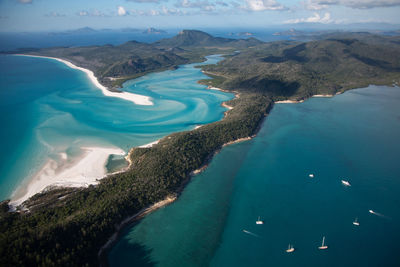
[[52, 15]]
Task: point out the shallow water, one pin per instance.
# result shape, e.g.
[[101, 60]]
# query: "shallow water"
[[353, 136], [50, 111]]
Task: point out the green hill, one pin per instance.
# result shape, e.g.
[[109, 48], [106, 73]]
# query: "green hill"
[[193, 38], [300, 70]]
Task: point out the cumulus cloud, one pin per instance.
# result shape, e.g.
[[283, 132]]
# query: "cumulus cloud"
[[261, 5], [204, 5], [121, 11], [357, 4], [163, 11], [315, 18]]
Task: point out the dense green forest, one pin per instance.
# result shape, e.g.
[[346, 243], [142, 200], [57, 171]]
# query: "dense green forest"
[[67, 227], [299, 70]]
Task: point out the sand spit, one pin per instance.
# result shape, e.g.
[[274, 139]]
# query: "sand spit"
[[80, 172], [135, 98]]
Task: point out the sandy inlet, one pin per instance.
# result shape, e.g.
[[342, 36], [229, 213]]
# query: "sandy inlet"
[[135, 98], [81, 171]]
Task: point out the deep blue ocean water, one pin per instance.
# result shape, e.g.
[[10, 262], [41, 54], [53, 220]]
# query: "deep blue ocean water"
[[48, 109], [353, 136]]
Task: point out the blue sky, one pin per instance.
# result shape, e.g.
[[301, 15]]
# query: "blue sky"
[[45, 15]]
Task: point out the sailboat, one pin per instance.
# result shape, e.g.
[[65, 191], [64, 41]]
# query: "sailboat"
[[323, 246], [356, 223], [259, 221], [290, 249], [346, 183]]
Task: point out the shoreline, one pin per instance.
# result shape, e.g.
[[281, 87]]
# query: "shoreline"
[[102, 254], [82, 171], [135, 98], [289, 101]]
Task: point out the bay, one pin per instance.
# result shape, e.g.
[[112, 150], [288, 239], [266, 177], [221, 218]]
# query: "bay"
[[50, 112], [352, 137]]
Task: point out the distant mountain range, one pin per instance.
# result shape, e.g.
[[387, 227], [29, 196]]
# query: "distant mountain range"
[[196, 38], [115, 64]]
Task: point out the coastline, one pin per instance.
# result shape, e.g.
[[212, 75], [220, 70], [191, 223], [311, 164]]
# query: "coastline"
[[135, 98], [85, 170], [102, 254], [302, 100]]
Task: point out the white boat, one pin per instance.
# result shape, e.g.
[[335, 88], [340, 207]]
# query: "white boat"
[[259, 221], [290, 249], [371, 211], [346, 183], [311, 175], [356, 223], [323, 246]]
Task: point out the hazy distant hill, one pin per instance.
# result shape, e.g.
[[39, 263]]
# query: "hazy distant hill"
[[194, 38], [153, 31], [132, 59]]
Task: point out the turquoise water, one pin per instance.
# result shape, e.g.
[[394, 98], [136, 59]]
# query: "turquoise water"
[[353, 136], [48, 108]]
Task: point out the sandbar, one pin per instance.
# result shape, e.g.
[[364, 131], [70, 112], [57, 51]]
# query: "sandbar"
[[83, 171], [135, 98]]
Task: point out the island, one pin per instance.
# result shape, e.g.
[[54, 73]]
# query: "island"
[[76, 226]]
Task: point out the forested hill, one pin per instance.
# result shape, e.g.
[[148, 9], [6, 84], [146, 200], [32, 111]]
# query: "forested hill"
[[68, 226], [113, 65], [298, 70], [193, 38]]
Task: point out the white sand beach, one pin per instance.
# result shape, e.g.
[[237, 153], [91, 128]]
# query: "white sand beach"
[[80, 172], [323, 95], [150, 144], [135, 98], [289, 101]]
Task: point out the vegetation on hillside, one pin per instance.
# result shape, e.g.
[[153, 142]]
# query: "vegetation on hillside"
[[113, 65], [67, 226], [300, 70]]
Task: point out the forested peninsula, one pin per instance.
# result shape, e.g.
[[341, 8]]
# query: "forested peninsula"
[[68, 226]]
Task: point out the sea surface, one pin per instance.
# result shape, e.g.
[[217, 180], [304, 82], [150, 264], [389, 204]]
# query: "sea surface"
[[50, 111], [352, 137]]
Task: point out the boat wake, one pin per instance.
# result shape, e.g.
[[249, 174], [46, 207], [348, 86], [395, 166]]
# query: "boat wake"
[[250, 233], [379, 214]]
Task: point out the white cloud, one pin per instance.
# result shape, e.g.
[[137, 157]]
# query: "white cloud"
[[121, 11], [313, 5], [204, 5], [83, 13], [357, 4], [315, 18], [93, 13], [54, 14], [261, 5]]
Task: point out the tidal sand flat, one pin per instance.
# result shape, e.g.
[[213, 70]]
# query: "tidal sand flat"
[[352, 136], [63, 129], [135, 98]]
